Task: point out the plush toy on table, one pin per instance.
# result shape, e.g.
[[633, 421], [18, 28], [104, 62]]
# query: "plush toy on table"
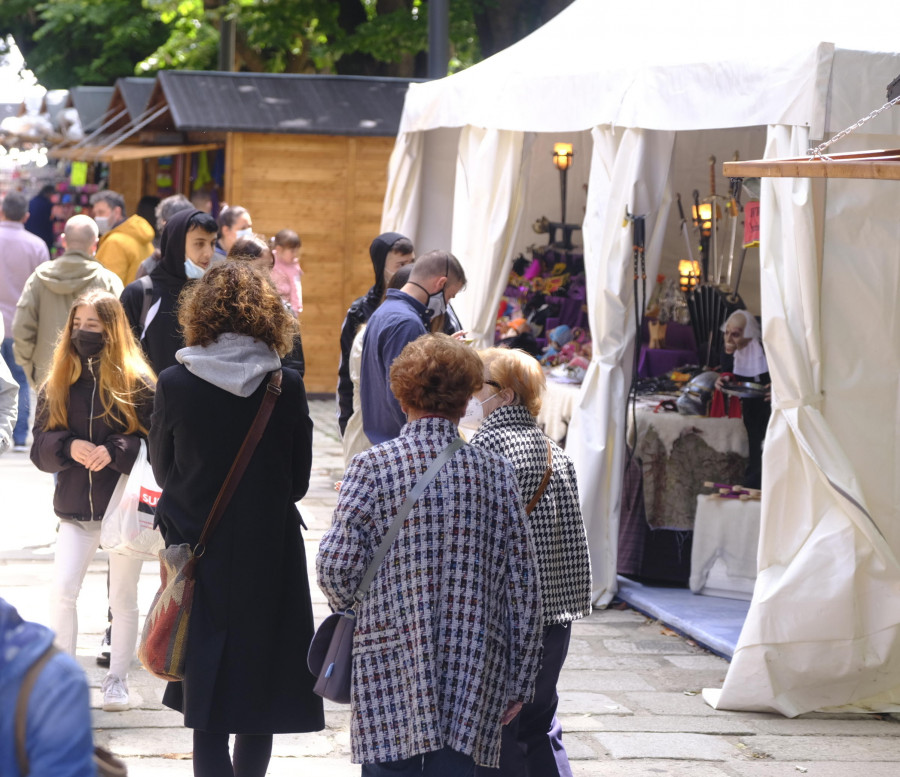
[[518, 334], [557, 338]]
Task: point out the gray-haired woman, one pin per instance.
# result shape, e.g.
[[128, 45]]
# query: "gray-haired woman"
[[508, 401]]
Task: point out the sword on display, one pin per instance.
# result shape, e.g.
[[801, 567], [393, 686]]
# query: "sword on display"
[[713, 234], [734, 208], [684, 230]]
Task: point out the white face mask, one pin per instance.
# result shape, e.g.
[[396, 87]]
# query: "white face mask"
[[474, 413], [246, 232], [193, 271], [436, 304], [102, 224]]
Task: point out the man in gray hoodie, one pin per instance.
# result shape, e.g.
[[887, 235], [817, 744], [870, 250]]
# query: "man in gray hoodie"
[[49, 293]]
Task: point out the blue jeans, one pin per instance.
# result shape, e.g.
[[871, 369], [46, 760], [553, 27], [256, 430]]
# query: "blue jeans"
[[20, 432], [440, 763]]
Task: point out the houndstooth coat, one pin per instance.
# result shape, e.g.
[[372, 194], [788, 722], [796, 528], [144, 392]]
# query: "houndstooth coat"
[[557, 528], [450, 630]]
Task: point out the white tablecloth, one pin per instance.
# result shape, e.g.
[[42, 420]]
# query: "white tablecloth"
[[726, 538]]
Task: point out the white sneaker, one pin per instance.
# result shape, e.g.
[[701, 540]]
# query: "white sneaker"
[[115, 694]]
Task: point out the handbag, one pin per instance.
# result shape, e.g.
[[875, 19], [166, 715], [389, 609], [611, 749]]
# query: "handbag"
[[127, 525], [163, 643], [106, 763], [330, 656]]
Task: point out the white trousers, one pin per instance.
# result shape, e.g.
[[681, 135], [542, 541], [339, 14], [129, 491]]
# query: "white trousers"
[[76, 545]]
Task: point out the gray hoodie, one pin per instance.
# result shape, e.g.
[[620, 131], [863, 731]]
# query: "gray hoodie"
[[44, 307], [235, 363]]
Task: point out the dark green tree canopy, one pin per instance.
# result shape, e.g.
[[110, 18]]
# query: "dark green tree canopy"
[[71, 42]]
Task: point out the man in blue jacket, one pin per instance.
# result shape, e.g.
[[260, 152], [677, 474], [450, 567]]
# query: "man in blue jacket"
[[436, 278], [58, 738]]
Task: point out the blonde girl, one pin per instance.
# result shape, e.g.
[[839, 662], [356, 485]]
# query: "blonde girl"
[[91, 413]]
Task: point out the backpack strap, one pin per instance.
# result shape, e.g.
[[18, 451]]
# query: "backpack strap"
[[147, 286], [21, 718]]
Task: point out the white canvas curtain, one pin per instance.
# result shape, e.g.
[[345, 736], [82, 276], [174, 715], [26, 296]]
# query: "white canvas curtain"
[[403, 197], [824, 625], [629, 170], [491, 171]]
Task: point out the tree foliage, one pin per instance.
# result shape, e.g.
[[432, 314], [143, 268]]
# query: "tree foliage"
[[70, 42]]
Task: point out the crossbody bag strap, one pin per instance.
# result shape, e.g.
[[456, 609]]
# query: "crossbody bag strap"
[[548, 473], [273, 390], [442, 458], [21, 721]]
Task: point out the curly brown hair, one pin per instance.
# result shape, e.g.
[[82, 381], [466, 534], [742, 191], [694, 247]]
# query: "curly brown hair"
[[235, 297], [436, 374]]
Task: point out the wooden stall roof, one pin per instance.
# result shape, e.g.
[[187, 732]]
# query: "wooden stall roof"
[[877, 165], [124, 152], [278, 103], [91, 103], [129, 98]]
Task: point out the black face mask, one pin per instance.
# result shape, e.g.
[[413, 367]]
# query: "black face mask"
[[87, 343]]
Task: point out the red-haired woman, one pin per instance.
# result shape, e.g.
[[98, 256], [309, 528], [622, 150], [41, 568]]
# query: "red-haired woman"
[[91, 414]]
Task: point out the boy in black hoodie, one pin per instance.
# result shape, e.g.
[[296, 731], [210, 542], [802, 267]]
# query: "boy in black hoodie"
[[187, 247], [389, 252]]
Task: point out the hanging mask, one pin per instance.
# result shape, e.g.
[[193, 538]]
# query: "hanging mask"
[[474, 414], [436, 305], [86, 343], [102, 224], [193, 271]]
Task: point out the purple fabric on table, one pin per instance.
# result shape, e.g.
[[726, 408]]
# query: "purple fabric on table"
[[658, 361]]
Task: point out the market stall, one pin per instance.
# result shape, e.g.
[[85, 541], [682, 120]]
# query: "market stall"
[[643, 92]]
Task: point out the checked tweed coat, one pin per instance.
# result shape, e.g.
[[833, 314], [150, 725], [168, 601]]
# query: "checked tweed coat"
[[556, 525], [450, 630]]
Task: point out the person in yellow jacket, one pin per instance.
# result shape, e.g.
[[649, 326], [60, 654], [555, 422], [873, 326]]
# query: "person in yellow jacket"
[[124, 242]]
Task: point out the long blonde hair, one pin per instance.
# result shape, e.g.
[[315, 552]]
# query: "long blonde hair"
[[124, 374]]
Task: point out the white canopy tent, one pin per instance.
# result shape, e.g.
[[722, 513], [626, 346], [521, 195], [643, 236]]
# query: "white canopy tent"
[[824, 623]]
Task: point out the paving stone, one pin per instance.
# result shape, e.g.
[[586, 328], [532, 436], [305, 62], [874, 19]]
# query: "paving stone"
[[703, 662], [575, 680], [817, 768], [649, 768], [861, 749], [670, 646], [867, 725], [691, 747], [575, 702], [659, 703], [722, 725], [590, 660]]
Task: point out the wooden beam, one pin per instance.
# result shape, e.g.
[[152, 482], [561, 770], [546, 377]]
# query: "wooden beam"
[[873, 165]]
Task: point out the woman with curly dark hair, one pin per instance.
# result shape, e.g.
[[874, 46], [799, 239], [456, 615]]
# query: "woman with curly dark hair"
[[252, 621], [447, 639]]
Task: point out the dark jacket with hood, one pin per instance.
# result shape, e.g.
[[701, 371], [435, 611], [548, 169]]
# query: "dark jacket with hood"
[[80, 494], [357, 315], [161, 336], [58, 736]]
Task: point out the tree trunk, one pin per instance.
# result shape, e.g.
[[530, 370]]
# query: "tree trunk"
[[507, 22]]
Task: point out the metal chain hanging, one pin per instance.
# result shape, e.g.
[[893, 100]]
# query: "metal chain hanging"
[[816, 153]]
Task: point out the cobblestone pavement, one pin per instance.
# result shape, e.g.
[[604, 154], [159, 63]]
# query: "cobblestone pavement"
[[629, 693]]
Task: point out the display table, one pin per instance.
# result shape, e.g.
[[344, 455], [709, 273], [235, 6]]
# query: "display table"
[[678, 453], [557, 407], [726, 538], [673, 456]]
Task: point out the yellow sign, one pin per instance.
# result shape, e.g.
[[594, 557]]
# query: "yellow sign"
[[78, 175]]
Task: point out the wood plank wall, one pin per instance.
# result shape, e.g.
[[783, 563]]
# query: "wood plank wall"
[[127, 178], [330, 191]]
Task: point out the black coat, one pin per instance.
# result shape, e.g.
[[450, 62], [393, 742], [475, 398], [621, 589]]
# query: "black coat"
[[162, 338], [81, 495], [252, 620]]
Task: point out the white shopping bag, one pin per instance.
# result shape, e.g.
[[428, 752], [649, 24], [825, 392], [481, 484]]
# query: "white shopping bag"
[[127, 526]]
